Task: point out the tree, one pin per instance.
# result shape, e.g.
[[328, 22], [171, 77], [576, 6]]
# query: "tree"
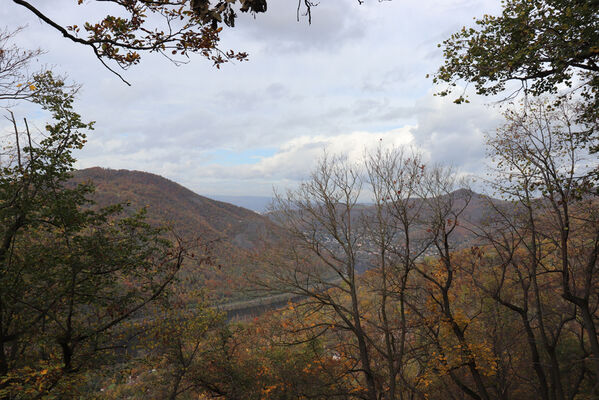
[[70, 276], [396, 178], [208, 357], [333, 239], [321, 216], [429, 318], [173, 28], [543, 45], [13, 62], [541, 165], [514, 270]]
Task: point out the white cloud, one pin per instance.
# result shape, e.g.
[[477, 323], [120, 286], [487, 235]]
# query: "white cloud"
[[356, 75], [297, 157]]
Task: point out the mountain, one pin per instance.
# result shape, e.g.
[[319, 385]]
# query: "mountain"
[[167, 202], [476, 211], [236, 231], [257, 204]]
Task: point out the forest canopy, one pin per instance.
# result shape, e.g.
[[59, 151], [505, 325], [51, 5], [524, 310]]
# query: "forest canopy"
[[399, 281]]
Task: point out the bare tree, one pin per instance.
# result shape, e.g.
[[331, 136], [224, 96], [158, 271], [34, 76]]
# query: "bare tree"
[[541, 166], [394, 228], [334, 237], [322, 218], [15, 80]]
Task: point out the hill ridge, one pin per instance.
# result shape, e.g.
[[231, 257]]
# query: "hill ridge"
[[170, 202]]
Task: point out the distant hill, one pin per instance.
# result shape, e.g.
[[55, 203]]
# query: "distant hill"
[[257, 204], [169, 203], [479, 211], [237, 230]]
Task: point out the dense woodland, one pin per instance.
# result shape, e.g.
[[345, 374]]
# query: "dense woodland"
[[403, 282]]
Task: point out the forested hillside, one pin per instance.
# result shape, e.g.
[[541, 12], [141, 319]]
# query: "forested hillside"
[[171, 204], [230, 233], [377, 274]]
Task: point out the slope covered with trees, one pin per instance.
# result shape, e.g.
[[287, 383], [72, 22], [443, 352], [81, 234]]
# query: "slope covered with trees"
[[230, 234], [513, 317], [185, 211], [97, 302], [71, 276]]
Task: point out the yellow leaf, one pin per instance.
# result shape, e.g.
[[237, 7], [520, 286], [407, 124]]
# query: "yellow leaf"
[[44, 372], [32, 87]]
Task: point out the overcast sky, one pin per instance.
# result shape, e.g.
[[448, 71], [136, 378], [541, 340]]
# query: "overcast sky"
[[355, 76]]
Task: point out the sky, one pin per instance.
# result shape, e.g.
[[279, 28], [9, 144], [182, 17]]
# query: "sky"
[[352, 80]]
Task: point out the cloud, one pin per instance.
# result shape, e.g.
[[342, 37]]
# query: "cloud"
[[296, 158], [443, 131], [455, 134], [334, 24], [357, 74]]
